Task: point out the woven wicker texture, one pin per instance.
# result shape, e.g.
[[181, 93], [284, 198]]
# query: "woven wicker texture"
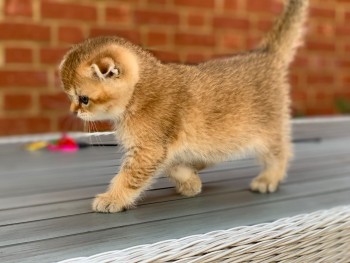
[[322, 236]]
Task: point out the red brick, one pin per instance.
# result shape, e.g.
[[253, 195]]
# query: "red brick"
[[301, 61], [21, 31], [324, 30], [70, 34], [232, 23], [194, 39], [322, 12], [29, 78], [195, 58], [158, 2], [294, 80], [57, 101], [321, 65], [23, 125], [195, 20], [157, 38], [344, 63], [70, 122], [131, 35], [166, 56], [265, 6], [18, 7], [52, 55], [346, 81], [156, 17], [57, 80], [17, 102], [322, 62], [196, 3], [118, 14], [320, 46], [231, 4], [320, 79], [222, 55], [102, 126], [321, 110], [265, 25], [342, 31], [298, 95], [252, 41], [342, 94], [59, 10], [232, 41], [347, 16], [18, 55], [324, 95]]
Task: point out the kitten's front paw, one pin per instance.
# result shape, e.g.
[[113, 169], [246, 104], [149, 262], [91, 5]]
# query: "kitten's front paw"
[[106, 203]]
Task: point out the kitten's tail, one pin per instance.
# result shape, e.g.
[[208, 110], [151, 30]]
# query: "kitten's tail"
[[286, 34]]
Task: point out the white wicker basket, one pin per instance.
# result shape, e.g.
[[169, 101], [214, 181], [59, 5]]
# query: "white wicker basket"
[[322, 236]]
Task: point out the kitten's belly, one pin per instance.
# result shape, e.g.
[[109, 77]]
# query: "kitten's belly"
[[211, 151]]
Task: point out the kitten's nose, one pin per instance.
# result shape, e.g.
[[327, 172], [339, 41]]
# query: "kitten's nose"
[[75, 113]]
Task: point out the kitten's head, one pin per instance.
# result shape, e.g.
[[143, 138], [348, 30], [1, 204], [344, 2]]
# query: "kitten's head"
[[99, 76]]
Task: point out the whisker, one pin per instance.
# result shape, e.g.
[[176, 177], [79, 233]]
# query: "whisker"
[[87, 123], [98, 139], [75, 123], [78, 124]]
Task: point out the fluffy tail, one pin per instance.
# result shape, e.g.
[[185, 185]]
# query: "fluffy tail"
[[286, 34]]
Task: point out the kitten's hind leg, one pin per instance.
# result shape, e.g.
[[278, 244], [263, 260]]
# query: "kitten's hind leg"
[[186, 179], [275, 163]]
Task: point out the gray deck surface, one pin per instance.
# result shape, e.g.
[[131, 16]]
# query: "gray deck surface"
[[45, 197]]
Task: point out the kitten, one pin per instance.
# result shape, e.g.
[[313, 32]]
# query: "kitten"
[[179, 119]]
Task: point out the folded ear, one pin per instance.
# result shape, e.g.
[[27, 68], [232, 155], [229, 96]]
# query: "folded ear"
[[105, 68]]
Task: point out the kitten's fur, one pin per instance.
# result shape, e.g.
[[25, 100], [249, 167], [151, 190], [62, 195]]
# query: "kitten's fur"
[[179, 118]]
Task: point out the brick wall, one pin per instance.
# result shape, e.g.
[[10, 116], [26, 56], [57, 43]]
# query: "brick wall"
[[34, 34]]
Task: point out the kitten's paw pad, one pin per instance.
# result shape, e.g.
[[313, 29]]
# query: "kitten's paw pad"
[[263, 185], [105, 203], [189, 188]]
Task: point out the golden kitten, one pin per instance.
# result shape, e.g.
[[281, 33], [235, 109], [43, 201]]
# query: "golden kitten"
[[178, 119]]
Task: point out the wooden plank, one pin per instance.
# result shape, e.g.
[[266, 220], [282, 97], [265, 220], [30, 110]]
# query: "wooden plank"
[[76, 187], [323, 128], [94, 242], [101, 177], [58, 163], [34, 161], [56, 222], [28, 181], [72, 225], [74, 207], [106, 156], [71, 176]]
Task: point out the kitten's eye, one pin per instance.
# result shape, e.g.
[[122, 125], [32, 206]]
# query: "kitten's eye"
[[84, 99]]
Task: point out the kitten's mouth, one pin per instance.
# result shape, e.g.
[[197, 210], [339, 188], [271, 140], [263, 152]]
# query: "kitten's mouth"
[[84, 116], [90, 117]]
